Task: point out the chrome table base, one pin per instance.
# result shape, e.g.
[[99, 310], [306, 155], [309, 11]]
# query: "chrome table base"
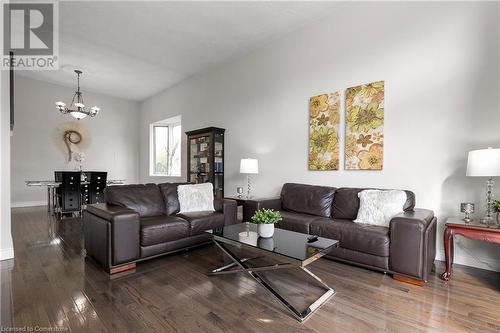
[[253, 272]]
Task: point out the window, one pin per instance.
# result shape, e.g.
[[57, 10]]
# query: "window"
[[165, 147]]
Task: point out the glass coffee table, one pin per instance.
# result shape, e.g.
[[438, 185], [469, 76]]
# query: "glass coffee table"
[[290, 249]]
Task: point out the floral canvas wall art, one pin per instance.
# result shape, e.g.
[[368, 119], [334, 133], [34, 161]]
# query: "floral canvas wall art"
[[324, 118], [364, 135]]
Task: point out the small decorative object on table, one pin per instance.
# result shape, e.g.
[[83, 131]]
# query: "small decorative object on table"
[[248, 237], [239, 190], [80, 158], [266, 218], [467, 208]]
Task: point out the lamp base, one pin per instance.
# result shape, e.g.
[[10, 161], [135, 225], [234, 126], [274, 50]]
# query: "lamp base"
[[486, 220], [489, 202], [249, 186]]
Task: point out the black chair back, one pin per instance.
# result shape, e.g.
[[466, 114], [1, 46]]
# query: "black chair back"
[[85, 187], [97, 186], [70, 191], [58, 176]]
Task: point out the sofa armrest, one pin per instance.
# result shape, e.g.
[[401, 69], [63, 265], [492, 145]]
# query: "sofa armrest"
[[251, 206], [228, 208], [109, 212], [413, 243], [111, 234], [419, 217]]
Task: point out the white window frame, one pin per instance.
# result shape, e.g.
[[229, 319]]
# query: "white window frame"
[[169, 123]]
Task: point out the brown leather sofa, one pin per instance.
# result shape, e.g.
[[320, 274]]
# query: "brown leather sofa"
[[139, 222], [406, 248]]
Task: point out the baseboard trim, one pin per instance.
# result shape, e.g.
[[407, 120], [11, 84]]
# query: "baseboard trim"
[[28, 204], [482, 263], [6, 254]]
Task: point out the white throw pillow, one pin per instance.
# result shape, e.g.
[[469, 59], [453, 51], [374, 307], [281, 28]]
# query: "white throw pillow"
[[196, 198], [378, 207]]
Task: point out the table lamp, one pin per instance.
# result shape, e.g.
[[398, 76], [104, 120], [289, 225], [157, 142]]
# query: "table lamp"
[[485, 163], [249, 166]]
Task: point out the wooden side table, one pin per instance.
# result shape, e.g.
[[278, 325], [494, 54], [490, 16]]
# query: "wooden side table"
[[241, 201], [473, 230]]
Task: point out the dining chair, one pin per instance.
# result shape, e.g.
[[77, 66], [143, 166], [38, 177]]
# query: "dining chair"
[[97, 186], [58, 176], [70, 193], [85, 176], [57, 191]]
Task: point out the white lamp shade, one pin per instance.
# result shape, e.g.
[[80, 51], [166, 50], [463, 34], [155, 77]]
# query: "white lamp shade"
[[484, 163], [249, 165]]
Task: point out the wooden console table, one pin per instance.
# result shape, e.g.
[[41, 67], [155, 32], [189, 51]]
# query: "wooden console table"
[[473, 230], [241, 201]]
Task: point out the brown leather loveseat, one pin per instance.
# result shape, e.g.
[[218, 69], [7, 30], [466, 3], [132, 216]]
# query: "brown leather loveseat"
[[406, 248], [139, 222]]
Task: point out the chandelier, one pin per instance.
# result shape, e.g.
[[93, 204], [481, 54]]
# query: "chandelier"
[[77, 108]]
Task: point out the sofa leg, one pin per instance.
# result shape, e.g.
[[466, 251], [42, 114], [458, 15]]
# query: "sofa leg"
[[409, 280], [122, 268]]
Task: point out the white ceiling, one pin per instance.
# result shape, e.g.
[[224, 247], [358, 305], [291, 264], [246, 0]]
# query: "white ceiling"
[[134, 50]]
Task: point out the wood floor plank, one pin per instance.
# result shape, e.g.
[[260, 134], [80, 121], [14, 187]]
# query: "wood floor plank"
[[54, 285]]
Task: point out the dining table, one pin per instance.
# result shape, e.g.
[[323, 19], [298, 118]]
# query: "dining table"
[[52, 185]]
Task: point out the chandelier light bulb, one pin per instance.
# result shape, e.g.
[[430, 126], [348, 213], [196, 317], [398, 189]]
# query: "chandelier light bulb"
[[94, 111]]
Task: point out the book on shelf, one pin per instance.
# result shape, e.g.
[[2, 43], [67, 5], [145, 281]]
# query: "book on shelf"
[[218, 167]]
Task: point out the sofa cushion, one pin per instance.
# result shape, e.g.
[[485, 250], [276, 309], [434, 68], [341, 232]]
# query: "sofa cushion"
[[169, 192], [346, 202], [202, 221], [371, 239], [378, 207], [196, 197], [144, 199], [295, 221], [161, 229], [307, 199]]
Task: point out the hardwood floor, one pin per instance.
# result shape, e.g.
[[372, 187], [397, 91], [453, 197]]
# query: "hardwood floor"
[[52, 285]]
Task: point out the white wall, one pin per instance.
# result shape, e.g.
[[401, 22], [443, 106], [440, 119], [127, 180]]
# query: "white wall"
[[6, 247], [35, 154], [440, 66]]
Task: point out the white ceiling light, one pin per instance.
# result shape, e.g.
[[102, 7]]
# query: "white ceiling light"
[[77, 108]]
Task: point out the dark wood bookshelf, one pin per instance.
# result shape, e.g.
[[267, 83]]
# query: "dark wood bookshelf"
[[205, 163]]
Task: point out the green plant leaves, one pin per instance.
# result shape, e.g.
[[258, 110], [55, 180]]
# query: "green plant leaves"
[[266, 216]]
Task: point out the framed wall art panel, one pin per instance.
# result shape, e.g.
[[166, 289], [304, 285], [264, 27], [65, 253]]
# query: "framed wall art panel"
[[324, 118], [364, 127]]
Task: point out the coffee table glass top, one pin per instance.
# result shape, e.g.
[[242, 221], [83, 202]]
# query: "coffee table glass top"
[[284, 242]]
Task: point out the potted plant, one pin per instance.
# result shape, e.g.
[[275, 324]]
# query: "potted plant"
[[496, 208], [266, 218]]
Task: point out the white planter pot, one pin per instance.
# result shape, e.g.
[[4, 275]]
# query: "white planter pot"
[[265, 230]]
